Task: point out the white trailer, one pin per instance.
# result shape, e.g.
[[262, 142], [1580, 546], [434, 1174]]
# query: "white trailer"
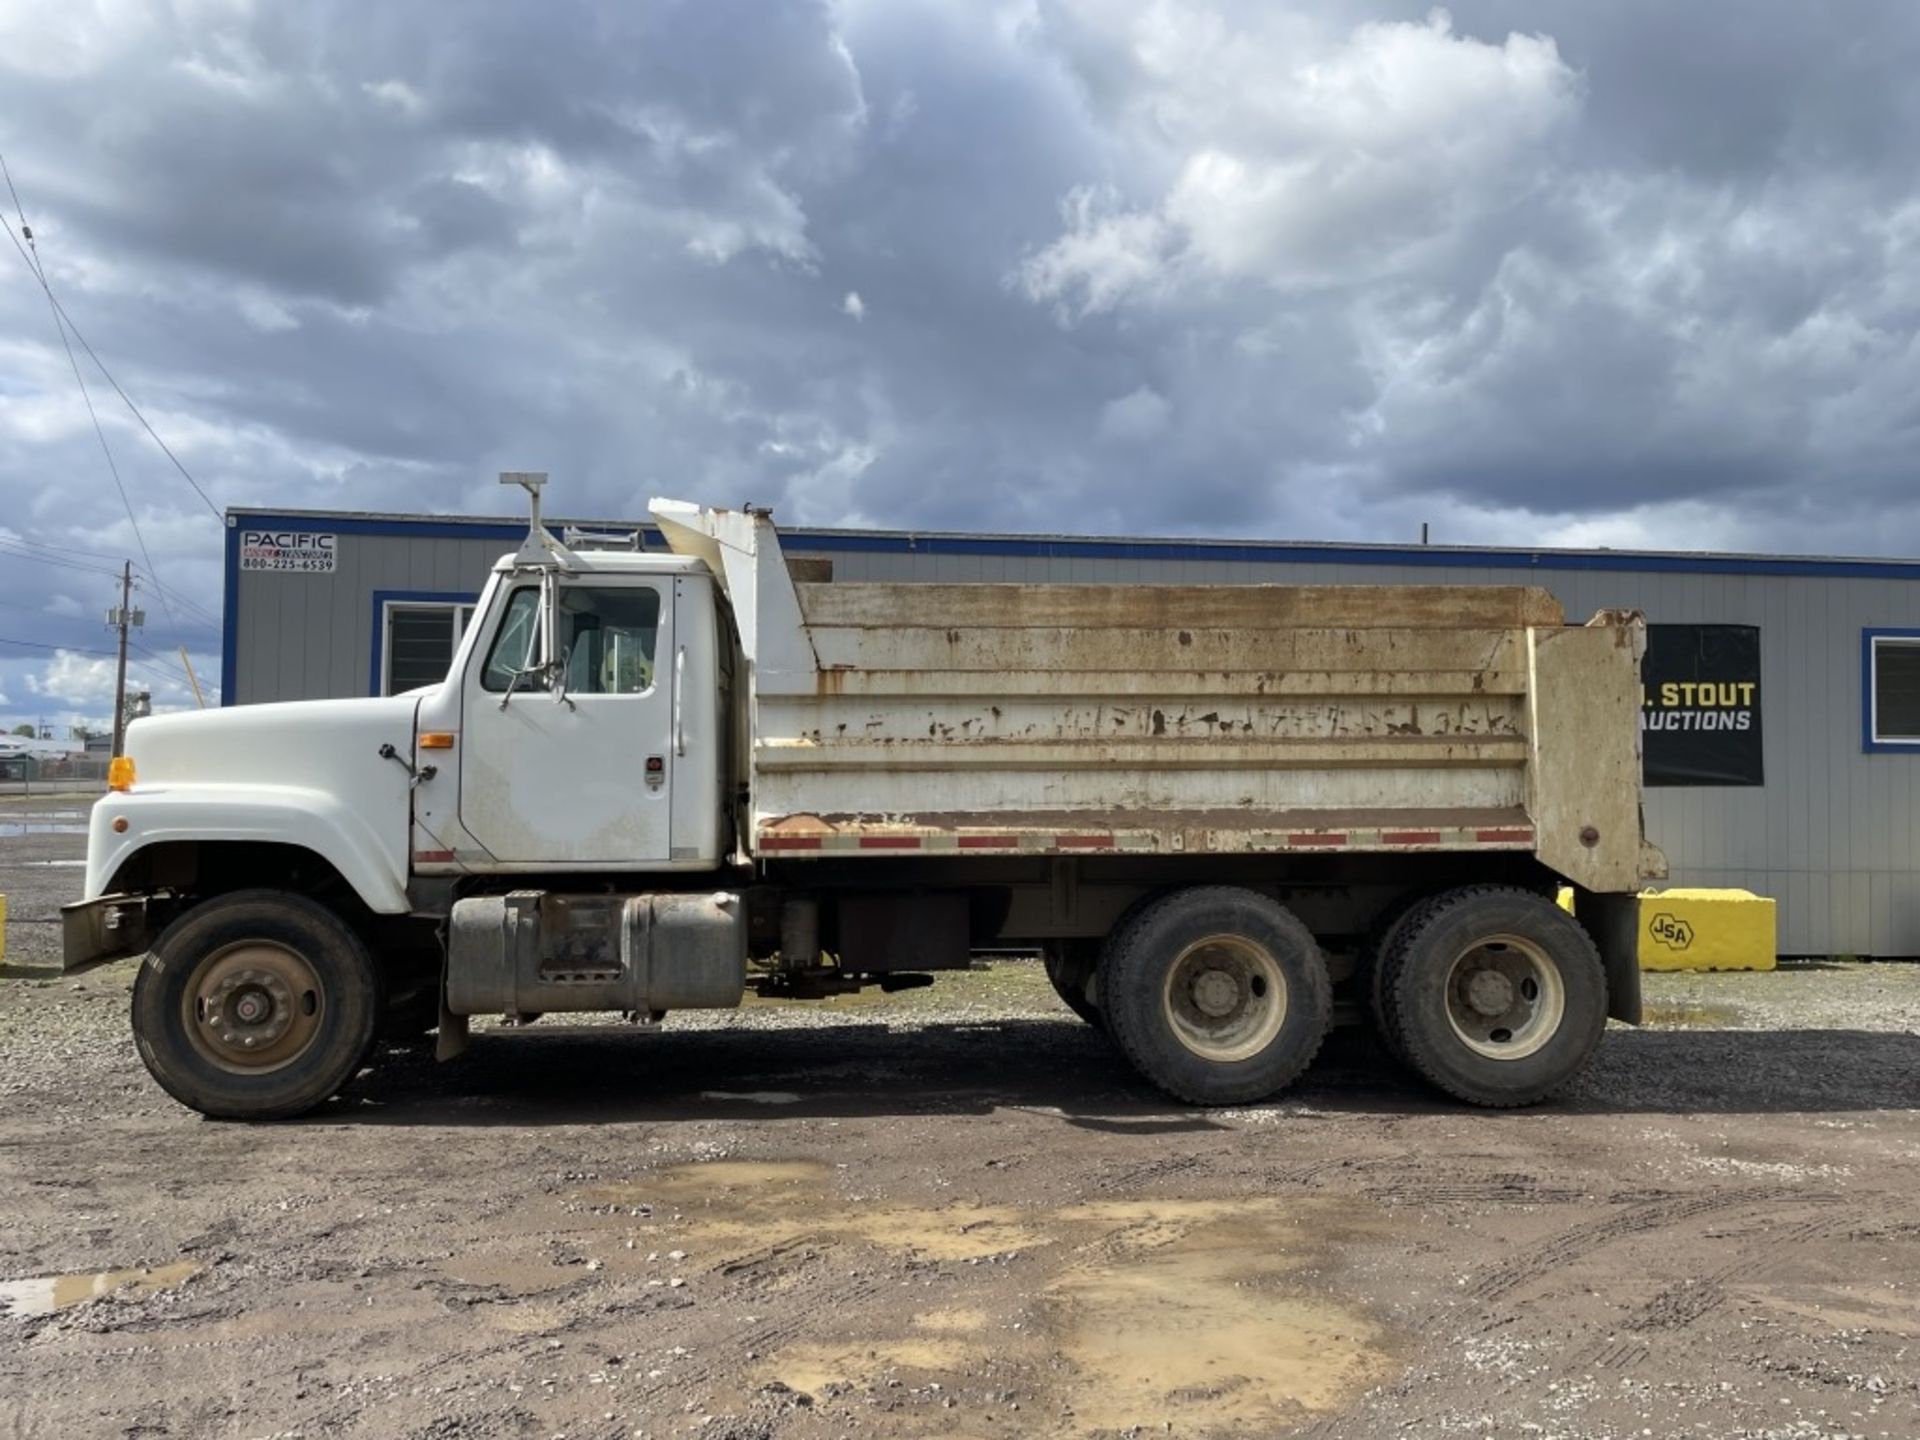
[[1225, 815]]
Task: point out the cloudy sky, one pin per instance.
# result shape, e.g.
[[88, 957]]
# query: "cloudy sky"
[[1535, 271]]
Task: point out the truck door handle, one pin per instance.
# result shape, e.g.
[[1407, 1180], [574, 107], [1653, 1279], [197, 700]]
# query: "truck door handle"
[[679, 685]]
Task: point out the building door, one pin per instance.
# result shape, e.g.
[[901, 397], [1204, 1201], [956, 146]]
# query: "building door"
[[572, 772]]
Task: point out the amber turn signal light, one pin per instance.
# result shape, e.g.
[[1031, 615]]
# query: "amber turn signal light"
[[436, 740]]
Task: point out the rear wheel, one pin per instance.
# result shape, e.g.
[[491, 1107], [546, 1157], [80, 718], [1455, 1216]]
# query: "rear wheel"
[[1216, 994], [1495, 995], [255, 1006]]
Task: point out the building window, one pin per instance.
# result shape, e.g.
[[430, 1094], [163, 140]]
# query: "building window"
[[1890, 703], [419, 640]]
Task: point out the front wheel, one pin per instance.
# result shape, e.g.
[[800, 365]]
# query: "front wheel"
[[1495, 995], [1216, 994], [255, 1006]]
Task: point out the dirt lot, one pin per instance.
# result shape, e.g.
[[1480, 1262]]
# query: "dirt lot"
[[956, 1213]]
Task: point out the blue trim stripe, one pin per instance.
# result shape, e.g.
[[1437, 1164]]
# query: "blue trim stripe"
[[804, 541], [449, 528], [382, 598], [1868, 743]]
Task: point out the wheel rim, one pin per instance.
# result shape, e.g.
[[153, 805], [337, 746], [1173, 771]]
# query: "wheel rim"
[[1505, 998], [252, 1006], [1225, 998]]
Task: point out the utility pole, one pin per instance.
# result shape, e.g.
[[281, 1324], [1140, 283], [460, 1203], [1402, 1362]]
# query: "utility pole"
[[123, 617]]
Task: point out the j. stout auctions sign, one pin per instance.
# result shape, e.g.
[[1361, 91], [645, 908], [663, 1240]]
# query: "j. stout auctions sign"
[[1700, 706]]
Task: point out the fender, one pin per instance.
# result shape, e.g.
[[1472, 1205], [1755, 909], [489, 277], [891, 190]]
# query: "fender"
[[317, 820]]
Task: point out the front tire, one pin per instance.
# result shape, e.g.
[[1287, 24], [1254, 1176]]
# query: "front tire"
[[257, 1005], [1494, 995], [1217, 995]]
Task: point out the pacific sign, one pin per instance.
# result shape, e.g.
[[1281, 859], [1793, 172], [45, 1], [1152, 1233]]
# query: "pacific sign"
[[300, 551]]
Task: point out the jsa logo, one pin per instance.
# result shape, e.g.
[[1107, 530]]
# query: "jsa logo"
[[1671, 931]]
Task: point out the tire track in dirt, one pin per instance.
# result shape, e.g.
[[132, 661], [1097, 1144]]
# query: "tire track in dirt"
[[1643, 1218], [1681, 1304]]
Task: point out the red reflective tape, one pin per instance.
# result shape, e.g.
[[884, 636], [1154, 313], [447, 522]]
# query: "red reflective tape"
[[889, 842], [1409, 837], [1083, 842], [989, 842], [1309, 841], [789, 842], [1504, 837], [433, 857]]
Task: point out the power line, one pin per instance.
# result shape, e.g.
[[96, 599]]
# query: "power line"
[[183, 601], [43, 645], [61, 316], [63, 322], [208, 617], [54, 561], [31, 543], [177, 675], [32, 256]]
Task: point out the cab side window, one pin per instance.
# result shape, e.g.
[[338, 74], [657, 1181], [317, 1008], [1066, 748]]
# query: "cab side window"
[[513, 646], [607, 638]]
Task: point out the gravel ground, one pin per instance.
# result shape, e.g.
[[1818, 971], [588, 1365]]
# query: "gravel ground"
[[955, 1212]]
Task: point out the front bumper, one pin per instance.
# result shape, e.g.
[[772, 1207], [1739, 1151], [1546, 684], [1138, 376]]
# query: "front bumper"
[[93, 931]]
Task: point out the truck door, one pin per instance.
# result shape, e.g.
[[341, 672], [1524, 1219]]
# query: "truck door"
[[575, 773]]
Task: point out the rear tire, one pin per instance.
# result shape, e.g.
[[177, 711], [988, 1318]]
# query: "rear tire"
[[257, 1005], [1494, 995], [1381, 937], [1217, 995]]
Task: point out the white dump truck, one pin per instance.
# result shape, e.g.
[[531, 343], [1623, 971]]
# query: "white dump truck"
[[1223, 815]]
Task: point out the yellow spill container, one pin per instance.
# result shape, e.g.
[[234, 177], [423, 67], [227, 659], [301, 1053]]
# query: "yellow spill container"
[[1701, 929], [1706, 930]]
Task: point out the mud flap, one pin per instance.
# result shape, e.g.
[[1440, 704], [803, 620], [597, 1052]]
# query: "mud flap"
[[95, 931], [452, 1035], [1614, 923]]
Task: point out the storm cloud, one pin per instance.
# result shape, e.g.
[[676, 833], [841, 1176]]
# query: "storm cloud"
[[1535, 273]]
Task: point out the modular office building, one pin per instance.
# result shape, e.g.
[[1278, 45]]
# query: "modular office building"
[[1782, 694]]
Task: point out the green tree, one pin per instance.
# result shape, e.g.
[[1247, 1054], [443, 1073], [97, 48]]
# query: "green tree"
[[24, 728]]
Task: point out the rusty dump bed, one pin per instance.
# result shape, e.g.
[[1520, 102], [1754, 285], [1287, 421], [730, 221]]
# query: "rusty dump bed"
[[1073, 718], [1060, 719]]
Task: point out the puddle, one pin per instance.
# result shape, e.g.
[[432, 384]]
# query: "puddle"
[[1690, 1013], [46, 1293], [12, 829], [957, 1322], [1189, 1316], [810, 1368], [1204, 1332], [743, 1207]]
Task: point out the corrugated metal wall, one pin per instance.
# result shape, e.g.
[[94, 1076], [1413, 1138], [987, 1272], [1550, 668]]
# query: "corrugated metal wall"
[[1834, 834]]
